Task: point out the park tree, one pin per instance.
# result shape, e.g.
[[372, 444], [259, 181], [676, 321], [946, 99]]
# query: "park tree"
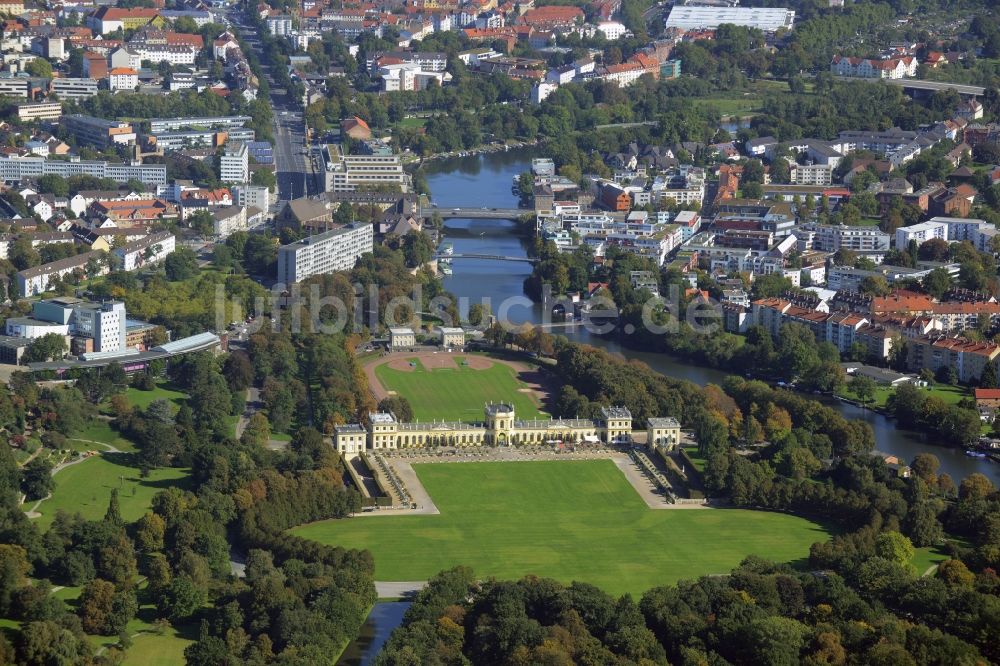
[[96, 602], [53, 184], [149, 533], [956, 573], [39, 68], [238, 371], [479, 314], [862, 387], [113, 516], [258, 430], [181, 264], [399, 406], [988, 378], [874, 285], [47, 642], [36, 479], [183, 598], [417, 249], [202, 223], [14, 568], [937, 282], [49, 347], [259, 254], [925, 466], [894, 547]]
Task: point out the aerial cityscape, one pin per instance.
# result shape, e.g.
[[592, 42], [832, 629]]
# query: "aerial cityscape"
[[446, 332]]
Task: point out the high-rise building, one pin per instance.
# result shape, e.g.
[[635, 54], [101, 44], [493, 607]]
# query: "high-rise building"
[[234, 165], [328, 252]]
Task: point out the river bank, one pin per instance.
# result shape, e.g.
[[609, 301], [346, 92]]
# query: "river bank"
[[485, 181]]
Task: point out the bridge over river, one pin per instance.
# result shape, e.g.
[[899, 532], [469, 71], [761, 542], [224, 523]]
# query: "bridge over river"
[[494, 257], [475, 213]]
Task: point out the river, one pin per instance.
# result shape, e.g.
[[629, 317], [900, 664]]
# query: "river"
[[485, 180], [383, 618]]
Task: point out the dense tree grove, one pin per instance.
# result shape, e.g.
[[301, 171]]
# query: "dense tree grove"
[[762, 613], [299, 600]]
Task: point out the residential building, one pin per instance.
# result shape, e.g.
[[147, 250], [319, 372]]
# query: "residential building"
[[17, 168], [328, 252], [961, 228], [123, 78], [355, 128], [890, 68], [14, 86], [965, 357], [920, 233], [227, 220], [255, 196], [102, 324], [833, 237], [147, 251], [234, 164], [810, 174]]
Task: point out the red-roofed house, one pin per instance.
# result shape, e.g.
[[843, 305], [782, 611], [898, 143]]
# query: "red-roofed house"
[[356, 128], [123, 78], [551, 17], [987, 399]]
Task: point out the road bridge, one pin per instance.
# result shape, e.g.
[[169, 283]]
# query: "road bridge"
[[494, 257], [475, 213], [919, 85]]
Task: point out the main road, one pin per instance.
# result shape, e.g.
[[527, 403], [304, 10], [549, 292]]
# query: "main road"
[[293, 172]]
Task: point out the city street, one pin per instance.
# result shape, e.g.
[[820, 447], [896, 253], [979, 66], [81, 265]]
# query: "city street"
[[293, 173]]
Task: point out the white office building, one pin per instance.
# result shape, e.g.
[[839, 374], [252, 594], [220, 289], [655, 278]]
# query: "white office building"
[[345, 172], [234, 164], [104, 323], [328, 252]]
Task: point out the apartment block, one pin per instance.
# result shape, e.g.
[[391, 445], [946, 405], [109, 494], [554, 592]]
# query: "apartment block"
[[234, 164], [16, 168], [328, 252]]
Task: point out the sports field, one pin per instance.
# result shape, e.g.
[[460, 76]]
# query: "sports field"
[[443, 388], [568, 520]]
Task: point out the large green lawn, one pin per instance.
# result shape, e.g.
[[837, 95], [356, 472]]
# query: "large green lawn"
[[86, 487], [458, 394], [569, 520], [950, 394], [142, 399]]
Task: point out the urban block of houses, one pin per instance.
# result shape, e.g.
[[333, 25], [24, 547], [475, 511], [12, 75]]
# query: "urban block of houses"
[[873, 68]]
